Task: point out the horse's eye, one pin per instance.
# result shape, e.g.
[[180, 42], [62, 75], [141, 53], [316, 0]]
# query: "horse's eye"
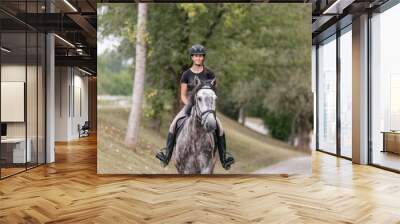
[[198, 98]]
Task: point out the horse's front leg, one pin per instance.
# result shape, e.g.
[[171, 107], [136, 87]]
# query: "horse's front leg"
[[207, 170], [206, 165]]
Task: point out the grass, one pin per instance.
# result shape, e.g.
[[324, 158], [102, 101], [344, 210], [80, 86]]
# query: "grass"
[[252, 151]]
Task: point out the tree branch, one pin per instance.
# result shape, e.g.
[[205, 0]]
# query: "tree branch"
[[210, 31]]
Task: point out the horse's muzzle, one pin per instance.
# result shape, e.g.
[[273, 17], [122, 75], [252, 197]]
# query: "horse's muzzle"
[[211, 124]]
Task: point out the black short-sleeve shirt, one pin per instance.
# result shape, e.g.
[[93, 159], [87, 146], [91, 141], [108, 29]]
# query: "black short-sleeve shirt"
[[188, 77]]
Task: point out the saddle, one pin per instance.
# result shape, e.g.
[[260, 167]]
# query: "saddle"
[[181, 121], [179, 125]]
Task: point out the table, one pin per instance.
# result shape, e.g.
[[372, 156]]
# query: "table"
[[16, 151], [391, 141]]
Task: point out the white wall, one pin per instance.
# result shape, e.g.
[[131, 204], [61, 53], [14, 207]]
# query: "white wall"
[[33, 125], [71, 94], [11, 73], [81, 88], [62, 81], [16, 73]]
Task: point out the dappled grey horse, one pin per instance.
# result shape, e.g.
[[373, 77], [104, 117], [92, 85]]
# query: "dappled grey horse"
[[195, 145]]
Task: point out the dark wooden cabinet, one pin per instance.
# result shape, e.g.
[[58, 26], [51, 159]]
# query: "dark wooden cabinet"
[[391, 141]]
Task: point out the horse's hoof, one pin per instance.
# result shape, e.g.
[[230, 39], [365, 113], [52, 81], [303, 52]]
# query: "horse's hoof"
[[228, 164], [163, 164]]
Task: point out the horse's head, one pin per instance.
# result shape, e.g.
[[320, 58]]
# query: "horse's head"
[[203, 100]]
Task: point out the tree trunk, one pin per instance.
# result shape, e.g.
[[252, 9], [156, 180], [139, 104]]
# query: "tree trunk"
[[292, 136], [303, 140], [178, 102], [132, 133], [242, 116]]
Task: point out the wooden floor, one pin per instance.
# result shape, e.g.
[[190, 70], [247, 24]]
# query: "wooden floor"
[[387, 159], [70, 191]]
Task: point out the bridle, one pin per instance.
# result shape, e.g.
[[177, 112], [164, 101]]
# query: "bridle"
[[202, 113]]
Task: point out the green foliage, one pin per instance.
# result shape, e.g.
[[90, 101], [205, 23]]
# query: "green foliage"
[[116, 84], [279, 125], [114, 77], [156, 102]]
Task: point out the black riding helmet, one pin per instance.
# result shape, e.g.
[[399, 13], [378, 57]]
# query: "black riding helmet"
[[197, 49]]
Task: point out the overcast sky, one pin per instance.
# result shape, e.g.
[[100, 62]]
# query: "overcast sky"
[[106, 43]]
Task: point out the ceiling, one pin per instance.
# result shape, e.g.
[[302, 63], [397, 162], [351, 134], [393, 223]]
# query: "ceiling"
[[328, 15], [73, 21]]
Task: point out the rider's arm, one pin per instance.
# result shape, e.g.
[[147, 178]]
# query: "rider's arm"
[[184, 97]]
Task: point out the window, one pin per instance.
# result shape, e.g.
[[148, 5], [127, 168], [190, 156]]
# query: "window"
[[327, 95], [346, 92], [385, 88], [22, 88]]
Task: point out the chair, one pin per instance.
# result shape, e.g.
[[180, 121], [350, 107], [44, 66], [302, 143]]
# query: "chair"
[[84, 130]]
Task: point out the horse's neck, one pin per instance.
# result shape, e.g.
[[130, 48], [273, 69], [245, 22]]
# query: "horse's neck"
[[193, 125]]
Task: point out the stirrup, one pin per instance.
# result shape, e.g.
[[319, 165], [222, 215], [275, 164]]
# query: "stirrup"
[[228, 162], [161, 155]]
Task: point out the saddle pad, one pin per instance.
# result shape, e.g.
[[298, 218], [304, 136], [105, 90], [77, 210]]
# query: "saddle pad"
[[179, 125]]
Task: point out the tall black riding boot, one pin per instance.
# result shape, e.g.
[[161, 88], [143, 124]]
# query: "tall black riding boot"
[[165, 154], [225, 157]]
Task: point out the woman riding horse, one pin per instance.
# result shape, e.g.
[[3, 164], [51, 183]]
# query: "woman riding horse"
[[197, 53]]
